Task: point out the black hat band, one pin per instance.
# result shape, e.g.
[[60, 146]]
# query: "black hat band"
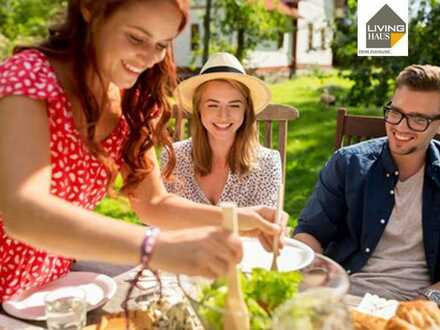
[[221, 69]]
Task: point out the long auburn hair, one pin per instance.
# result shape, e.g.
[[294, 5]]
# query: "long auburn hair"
[[71, 40], [243, 153]]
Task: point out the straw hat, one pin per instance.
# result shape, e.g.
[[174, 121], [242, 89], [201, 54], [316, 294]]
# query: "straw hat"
[[223, 66]]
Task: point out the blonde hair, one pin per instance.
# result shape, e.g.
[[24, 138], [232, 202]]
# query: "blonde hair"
[[243, 153]]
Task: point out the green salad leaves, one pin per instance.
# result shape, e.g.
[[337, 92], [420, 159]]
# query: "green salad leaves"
[[263, 291]]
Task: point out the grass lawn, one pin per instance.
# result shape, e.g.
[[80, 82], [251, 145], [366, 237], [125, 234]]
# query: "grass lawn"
[[310, 141]]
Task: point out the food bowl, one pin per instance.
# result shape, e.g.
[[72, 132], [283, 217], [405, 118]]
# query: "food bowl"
[[265, 291], [313, 309]]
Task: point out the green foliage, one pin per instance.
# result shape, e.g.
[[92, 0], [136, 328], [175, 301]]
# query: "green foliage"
[[23, 21], [218, 42], [374, 77], [252, 23], [311, 137]]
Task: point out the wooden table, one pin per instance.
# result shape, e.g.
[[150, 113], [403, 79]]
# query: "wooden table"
[[123, 281]]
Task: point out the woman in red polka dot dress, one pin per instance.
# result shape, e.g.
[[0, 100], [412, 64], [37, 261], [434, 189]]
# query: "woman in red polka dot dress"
[[86, 104]]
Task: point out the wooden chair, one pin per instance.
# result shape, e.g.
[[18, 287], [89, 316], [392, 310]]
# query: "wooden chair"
[[351, 129], [274, 115]]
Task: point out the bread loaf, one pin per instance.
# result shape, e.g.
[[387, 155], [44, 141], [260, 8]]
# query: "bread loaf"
[[363, 321], [411, 315], [420, 313]]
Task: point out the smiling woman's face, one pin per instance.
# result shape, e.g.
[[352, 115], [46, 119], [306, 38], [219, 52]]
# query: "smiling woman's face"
[[222, 110], [134, 38]]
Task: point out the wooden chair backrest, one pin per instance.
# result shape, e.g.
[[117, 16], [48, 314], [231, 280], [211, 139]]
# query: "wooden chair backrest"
[[352, 129]]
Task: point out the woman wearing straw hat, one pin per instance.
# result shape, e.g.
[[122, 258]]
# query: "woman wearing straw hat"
[[223, 161]]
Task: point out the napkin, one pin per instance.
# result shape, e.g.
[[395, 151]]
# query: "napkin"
[[374, 305]]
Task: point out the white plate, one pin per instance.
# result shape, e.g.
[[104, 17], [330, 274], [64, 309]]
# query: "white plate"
[[294, 256], [30, 305]]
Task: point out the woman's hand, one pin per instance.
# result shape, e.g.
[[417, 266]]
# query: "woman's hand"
[[258, 221], [205, 251]]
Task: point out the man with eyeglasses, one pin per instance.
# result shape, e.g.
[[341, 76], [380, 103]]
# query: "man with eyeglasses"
[[376, 206]]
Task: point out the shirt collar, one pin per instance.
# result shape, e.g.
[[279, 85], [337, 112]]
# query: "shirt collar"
[[432, 160], [387, 159]]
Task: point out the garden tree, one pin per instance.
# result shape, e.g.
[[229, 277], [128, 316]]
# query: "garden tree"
[[207, 29], [373, 77], [251, 23], [25, 20], [212, 40]]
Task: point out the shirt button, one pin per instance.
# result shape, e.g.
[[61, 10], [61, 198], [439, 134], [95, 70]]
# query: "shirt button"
[[391, 192], [348, 271], [388, 175], [367, 250], [396, 173], [382, 221]]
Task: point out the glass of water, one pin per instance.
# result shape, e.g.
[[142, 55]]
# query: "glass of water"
[[66, 309]]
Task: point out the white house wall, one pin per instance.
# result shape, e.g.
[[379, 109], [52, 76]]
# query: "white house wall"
[[267, 55], [182, 48], [270, 56], [320, 14], [182, 52]]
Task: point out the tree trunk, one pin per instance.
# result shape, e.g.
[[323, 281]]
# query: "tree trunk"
[[294, 59], [239, 53], [207, 28]]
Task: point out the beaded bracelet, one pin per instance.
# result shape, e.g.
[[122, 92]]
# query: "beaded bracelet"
[[146, 250], [147, 244]]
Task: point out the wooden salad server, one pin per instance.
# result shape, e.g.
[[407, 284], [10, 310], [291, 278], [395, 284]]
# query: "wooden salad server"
[[237, 316]]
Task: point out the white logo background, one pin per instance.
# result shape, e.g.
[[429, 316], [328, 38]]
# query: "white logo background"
[[366, 10]]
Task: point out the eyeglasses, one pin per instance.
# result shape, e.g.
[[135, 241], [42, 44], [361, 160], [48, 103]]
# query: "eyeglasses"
[[417, 123]]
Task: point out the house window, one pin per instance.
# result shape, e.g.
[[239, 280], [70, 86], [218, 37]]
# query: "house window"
[[310, 36], [195, 36], [323, 39]]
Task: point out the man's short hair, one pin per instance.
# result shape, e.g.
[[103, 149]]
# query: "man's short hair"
[[420, 78]]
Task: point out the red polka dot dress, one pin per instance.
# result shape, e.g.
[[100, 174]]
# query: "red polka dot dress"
[[77, 176]]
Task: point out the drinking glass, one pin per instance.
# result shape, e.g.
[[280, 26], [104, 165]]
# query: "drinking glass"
[[66, 309]]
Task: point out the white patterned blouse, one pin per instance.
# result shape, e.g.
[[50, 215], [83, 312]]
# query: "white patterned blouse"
[[259, 187]]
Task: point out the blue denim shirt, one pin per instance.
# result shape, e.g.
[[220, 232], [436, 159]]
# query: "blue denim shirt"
[[353, 199]]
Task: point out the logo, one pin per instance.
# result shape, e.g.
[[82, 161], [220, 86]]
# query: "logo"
[[382, 31], [385, 29]]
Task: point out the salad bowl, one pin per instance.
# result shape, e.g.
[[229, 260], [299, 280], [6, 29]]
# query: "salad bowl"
[[264, 290]]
